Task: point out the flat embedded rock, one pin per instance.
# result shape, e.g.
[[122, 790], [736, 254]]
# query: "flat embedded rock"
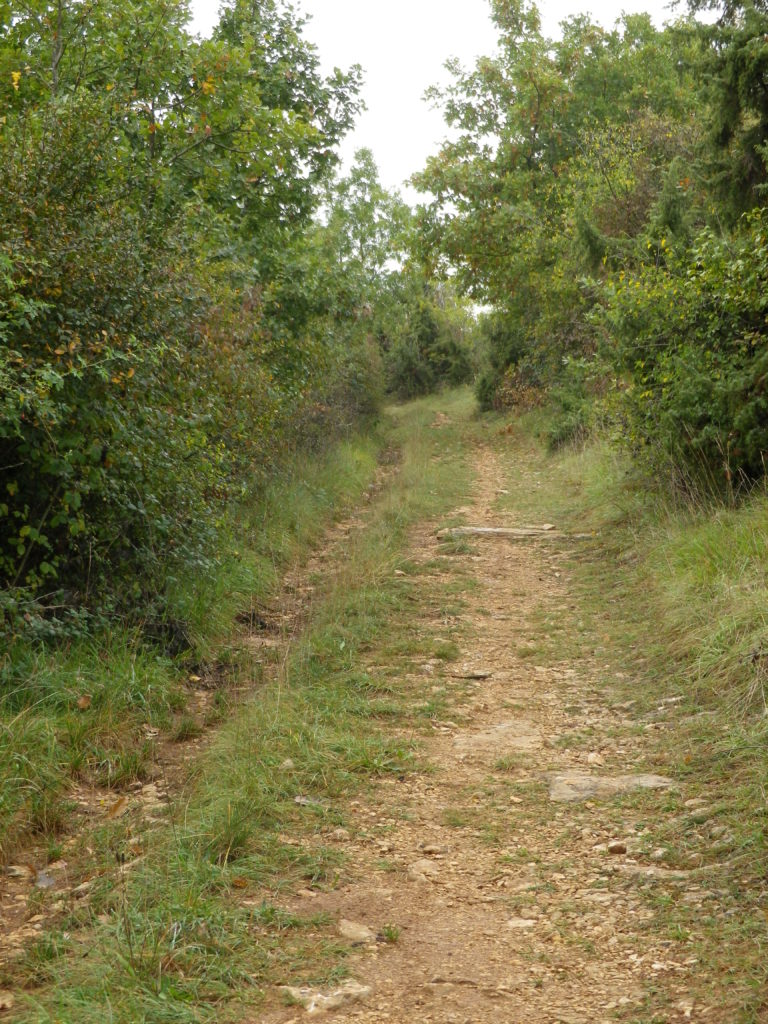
[[570, 787], [422, 870], [521, 923], [315, 1001], [512, 533]]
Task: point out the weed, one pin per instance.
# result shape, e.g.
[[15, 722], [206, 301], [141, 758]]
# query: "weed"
[[187, 728], [390, 933], [118, 769], [447, 651], [509, 763]]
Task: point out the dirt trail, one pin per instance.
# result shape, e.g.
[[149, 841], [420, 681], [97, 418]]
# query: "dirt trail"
[[510, 905]]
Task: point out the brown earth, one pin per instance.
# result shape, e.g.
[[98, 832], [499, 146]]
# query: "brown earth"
[[485, 899]]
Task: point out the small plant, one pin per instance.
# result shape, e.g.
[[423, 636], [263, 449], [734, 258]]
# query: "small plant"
[[448, 651], [508, 763], [123, 767], [230, 838], [187, 728], [54, 851], [390, 934]]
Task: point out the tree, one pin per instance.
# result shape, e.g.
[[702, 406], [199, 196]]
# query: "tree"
[[550, 171]]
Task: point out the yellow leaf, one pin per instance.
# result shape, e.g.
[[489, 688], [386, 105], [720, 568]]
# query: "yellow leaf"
[[110, 86], [15, 79], [118, 808], [208, 87]]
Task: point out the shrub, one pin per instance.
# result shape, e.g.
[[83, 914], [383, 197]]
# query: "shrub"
[[93, 305], [432, 352], [687, 333]]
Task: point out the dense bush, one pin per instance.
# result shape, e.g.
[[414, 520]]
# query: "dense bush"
[[688, 334], [433, 349], [96, 301], [591, 194], [503, 345], [173, 316]]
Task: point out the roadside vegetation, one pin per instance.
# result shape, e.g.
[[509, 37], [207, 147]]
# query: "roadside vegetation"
[[603, 195], [189, 291], [197, 312]]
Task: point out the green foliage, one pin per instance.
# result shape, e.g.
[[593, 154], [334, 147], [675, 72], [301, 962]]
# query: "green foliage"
[[573, 402], [688, 334], [158, 331], [558, 163], [92, 316], [733, 65], [592, 198], [434, 346], [502, 343]]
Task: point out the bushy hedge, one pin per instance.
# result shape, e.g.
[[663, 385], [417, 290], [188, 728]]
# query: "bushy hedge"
[[687, 334], [433, 350], [96, 303], [160, 344]]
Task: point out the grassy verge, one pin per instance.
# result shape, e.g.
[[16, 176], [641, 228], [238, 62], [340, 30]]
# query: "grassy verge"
[[82, 711], [191, 928], [672, 601]]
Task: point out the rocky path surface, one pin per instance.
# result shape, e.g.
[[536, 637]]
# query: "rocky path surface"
[[514, 882]]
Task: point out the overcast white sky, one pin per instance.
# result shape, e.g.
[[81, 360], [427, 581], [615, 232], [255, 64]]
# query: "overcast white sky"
[[402, 46]]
